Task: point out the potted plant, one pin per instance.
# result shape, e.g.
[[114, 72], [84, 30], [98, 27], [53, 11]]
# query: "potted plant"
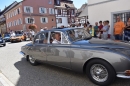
[[32, 26]]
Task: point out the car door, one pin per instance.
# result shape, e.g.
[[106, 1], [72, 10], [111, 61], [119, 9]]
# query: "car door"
[[39, 46], [58, 54]]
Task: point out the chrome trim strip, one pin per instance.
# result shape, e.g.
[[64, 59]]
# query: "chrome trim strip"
[[123, 76], [22, 53]]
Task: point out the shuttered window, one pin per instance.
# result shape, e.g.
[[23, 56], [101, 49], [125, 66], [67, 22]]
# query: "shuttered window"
[[44, 20], [29, 20], [42, 10], [28, 9]]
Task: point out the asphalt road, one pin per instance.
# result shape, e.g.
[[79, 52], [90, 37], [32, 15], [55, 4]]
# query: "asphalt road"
[[21, 73]]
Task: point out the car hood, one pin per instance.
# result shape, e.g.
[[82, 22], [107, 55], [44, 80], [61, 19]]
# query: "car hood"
[[105, 45], [102, 43], [109, 43]]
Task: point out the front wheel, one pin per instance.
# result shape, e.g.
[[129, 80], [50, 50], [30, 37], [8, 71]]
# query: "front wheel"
[[32, 61], [100, 72]]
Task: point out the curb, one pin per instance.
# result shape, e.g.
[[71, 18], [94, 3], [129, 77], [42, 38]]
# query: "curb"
[[4, 81]]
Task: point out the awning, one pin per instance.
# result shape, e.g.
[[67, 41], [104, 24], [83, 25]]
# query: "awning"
[[84, 13]]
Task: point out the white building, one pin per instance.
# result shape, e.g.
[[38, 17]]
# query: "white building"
[[64, 16], [108, 10], [82, 14]]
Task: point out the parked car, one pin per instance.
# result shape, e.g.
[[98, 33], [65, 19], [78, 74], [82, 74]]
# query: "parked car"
[[101, 60], [17, 38], [2, 41], [7, 37]]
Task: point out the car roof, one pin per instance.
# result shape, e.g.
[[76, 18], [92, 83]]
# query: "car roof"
[[60, 29]]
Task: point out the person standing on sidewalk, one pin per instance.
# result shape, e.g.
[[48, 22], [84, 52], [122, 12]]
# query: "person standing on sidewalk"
[[100, 28], [109, 35], [96, 29], [32, 34], [118, 29], [105, 30], [91, 30], [127, 31]]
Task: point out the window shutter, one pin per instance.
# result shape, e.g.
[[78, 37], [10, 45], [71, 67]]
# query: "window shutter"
[[41, 20], [31, 9], [46, 20], [49, 10], [45, 10], [33, 20], [21, 21], [19, 10], [14, 23], [25, 9], [7, 16], [40, 10], [18, 22], [53, 11], [26, 20], [12, 13]]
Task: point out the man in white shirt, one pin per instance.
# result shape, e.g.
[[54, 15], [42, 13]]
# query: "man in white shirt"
[[57, 39], [13, 34], [32, 33]]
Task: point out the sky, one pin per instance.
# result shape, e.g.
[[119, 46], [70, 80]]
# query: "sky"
[[4, 3]]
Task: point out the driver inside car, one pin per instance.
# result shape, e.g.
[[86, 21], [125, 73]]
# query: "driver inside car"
[[57, 38]]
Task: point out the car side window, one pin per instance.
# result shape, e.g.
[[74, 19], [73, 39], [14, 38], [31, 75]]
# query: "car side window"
[[58, 37], [41, 38], [64, 39]]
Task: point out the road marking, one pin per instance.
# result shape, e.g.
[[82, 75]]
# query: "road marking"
[[5, 81]]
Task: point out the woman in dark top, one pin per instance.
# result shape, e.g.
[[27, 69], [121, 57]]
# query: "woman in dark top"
[[127, 31]]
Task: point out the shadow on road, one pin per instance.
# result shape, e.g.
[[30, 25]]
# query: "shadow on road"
[[47, 75]]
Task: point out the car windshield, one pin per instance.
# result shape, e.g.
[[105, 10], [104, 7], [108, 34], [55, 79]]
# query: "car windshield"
[[78, 34], [6, 35]]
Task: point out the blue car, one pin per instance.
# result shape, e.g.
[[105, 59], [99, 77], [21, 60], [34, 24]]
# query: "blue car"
[[7, 37], [2, 41]]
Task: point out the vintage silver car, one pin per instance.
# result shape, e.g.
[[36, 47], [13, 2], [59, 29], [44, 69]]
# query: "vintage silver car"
[[101, 60]]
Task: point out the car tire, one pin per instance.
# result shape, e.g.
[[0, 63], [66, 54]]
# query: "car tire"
[[96, 68], [32, 61]]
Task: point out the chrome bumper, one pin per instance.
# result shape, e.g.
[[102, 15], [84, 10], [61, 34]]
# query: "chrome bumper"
[[22, 53], [123, 76]]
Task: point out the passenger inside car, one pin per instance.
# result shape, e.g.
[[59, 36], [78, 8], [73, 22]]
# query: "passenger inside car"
[[57, 38]]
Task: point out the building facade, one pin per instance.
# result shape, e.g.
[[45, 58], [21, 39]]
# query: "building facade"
[[108, 10], [19, 17], [3, 25], [65, 12], [82, 14]]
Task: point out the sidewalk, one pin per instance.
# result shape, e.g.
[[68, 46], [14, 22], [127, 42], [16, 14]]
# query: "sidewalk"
[[4, 81], [1, 84]]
